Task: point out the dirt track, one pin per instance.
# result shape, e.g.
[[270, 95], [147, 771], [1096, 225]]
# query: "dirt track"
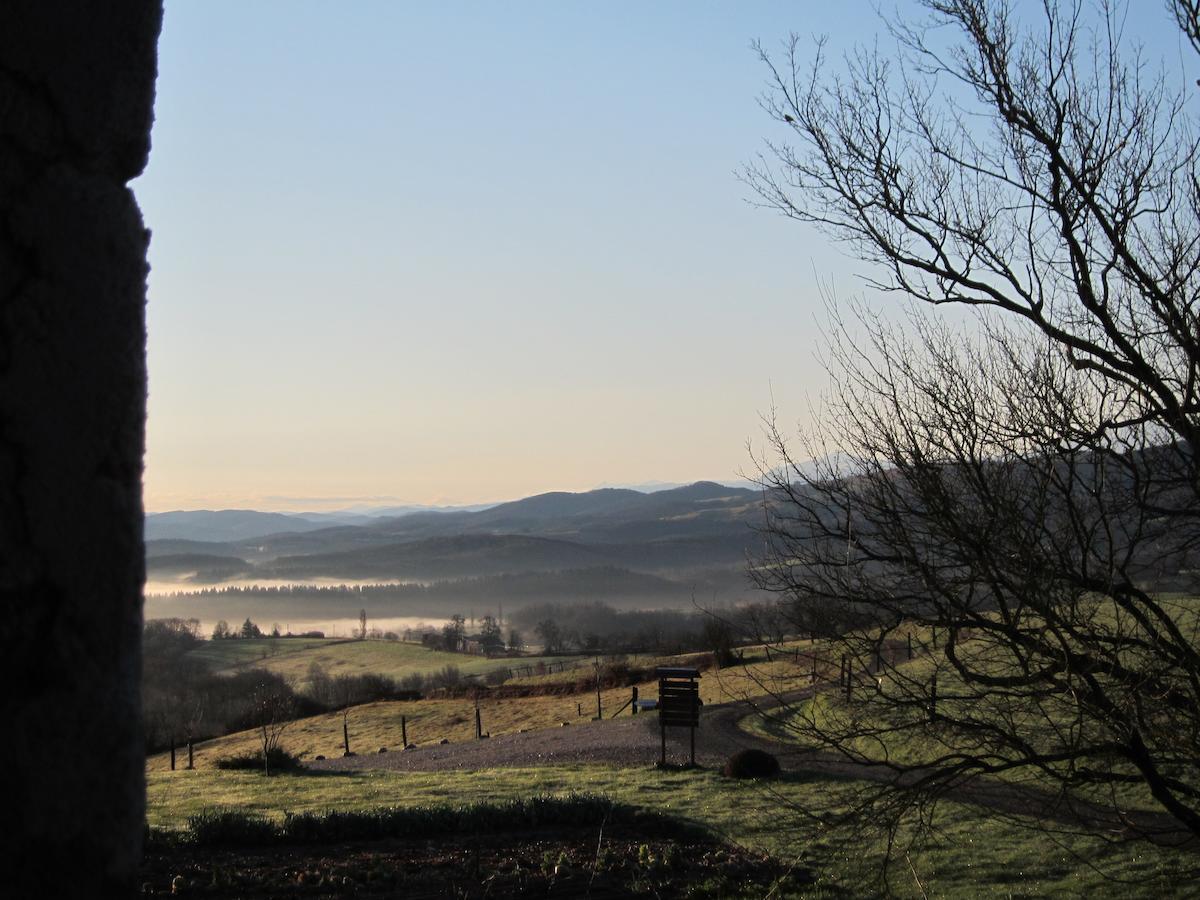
[[627, 741]]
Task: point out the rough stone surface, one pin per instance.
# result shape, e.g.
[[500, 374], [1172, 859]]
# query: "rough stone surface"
[[76, 101]]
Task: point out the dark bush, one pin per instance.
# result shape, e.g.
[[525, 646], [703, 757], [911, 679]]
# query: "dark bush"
[[617, 672], [231, 827], [278, 758], [239, 698], [474, 818], [447, 677], [339, 691], [751, 764], [414, 683]]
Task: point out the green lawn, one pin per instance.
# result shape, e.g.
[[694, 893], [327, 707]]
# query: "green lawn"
[[970, 858], [903, 737]]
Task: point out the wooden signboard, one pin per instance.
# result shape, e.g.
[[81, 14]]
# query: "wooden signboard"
[[678, 703]]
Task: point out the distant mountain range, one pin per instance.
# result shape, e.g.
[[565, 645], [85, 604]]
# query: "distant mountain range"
[[684, 536], [240, 524]]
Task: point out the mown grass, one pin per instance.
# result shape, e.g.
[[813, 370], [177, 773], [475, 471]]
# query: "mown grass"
[[969, 858]]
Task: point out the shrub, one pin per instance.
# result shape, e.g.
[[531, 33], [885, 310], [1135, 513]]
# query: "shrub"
[[365, 688], [279, 761], [231, 827], [447, 677], [245, 696], [414, 682], [226, 827], [751, 764], [619, 669]]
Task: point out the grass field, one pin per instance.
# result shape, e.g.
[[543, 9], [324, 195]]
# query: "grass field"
[[228, 656], [906, 741], [968, 855], [969, 858], [376, 725], [291, 657], [788, 668]]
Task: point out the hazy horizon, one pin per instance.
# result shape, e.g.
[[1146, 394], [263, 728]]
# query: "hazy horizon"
[[366, 505], [458, 254]]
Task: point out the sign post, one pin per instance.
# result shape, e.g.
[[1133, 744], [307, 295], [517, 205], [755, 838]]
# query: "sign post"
[[678, 703]]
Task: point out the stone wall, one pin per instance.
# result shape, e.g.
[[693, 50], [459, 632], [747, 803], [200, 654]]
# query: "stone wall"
[[76, 99]]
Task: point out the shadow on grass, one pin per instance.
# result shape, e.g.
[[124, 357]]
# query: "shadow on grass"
[[306, 772], [815, 776]]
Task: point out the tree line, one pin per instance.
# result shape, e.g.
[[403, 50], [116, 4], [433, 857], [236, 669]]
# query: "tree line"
[[595, 582], [599, 627], [183, 700]]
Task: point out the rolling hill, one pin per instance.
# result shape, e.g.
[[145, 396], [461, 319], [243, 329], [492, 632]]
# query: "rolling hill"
[[700, 533]]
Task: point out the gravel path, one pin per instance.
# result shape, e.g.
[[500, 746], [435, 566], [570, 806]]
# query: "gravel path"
[[627, 741]]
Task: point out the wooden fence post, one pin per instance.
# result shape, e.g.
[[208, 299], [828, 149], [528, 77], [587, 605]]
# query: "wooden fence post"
[[404, 730], [191, 757], [346, 733], [634, 701], [172, 753], [599, 708]]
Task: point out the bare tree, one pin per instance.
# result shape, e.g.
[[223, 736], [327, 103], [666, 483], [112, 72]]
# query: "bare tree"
[[490, 635], [362, 624], [452, 633], [274, 708], [550, 634], [1020, 495]]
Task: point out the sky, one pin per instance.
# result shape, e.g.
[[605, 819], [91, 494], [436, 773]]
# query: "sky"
[[452, 253]]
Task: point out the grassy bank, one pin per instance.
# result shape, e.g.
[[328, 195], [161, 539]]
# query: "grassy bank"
[[969, 858], [375, 725]]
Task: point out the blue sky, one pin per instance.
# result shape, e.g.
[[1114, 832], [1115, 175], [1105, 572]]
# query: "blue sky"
[[454, 253]]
